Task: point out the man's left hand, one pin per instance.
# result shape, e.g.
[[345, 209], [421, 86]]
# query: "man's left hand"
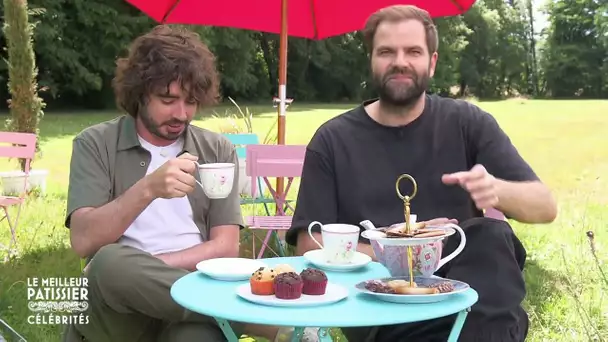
[[479, 183]]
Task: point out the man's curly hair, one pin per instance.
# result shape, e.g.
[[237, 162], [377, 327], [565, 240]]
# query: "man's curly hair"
[[162, 56]]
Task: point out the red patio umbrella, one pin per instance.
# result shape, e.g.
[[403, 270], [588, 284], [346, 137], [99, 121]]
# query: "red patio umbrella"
[[313, 19]]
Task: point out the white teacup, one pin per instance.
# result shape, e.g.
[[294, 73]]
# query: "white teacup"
[[217, 179], [339, 241]]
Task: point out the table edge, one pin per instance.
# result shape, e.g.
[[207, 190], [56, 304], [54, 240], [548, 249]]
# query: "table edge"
[[474, 298]]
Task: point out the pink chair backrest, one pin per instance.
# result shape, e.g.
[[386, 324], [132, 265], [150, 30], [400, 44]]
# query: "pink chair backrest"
[[18, 145], [495, 214], [274, 161]]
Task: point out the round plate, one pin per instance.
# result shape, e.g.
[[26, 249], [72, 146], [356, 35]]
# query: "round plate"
[[333, 294], [459, 287], [381, 237], [229, 269], [317, 258]]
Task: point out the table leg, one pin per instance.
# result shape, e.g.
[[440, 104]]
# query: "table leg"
[[324, 335], [227, 330], [297, 334], [458, 324]]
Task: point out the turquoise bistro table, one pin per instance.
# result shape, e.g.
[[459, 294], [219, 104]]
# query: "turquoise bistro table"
[[202, 294]]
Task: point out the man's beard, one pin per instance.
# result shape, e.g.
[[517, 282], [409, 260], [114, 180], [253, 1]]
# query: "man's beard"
[[400, 95], [154, 127]]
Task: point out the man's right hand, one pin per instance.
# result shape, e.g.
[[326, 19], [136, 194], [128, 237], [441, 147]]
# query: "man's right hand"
[[174, 178]]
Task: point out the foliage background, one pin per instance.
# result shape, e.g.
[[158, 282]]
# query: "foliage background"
[[492, 51]]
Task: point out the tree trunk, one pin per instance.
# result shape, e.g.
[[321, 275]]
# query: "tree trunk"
[[25, 105], [533, 49], [272, 67]]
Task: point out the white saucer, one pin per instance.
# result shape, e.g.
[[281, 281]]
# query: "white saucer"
[[317, 258], [334, 293], [229, 269]]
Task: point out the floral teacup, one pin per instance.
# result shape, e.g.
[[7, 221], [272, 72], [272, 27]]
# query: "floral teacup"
[[339, 241], [216, 179]]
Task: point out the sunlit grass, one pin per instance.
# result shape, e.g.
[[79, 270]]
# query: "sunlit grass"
[[564, 141]]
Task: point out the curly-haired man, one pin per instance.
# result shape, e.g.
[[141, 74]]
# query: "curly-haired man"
[[134, 210]]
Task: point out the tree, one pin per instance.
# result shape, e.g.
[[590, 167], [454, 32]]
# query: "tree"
[[574, 57], [25, 105]]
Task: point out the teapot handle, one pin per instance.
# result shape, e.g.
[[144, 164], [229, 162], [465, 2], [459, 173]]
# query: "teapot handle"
[[463, 242], [312, 224]]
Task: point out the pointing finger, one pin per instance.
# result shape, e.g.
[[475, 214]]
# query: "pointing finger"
[[455, 178], [474, 185], [478, 170]]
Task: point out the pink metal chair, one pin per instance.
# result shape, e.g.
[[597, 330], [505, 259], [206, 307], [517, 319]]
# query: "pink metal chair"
[[272, 161], [21, 146], [495, 214]]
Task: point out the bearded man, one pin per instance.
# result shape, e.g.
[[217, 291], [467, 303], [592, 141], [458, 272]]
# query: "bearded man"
[[463, 162]]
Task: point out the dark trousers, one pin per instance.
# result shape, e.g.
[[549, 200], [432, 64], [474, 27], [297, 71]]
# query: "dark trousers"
[[491, 263], [129, 301]]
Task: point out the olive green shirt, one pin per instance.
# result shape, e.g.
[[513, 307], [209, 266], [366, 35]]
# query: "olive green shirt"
[[107, 159]]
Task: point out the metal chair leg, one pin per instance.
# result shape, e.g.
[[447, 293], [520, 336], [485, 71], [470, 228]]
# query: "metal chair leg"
[[19, 337], [13, 229]]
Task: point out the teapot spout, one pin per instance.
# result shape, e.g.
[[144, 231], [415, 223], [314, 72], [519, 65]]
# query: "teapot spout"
[[377, 247], [367, 224]]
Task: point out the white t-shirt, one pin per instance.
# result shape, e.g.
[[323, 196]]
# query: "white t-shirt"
[[166, 225]]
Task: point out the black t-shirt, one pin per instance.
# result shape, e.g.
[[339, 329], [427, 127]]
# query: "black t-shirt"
[[352, 163]]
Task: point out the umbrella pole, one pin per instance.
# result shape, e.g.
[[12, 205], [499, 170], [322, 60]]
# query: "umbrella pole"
[[282, 85]]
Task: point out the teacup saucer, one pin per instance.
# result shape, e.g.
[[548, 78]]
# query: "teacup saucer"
[[316, 258]]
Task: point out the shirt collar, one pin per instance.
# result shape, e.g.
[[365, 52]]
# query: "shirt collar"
[[127, 138]]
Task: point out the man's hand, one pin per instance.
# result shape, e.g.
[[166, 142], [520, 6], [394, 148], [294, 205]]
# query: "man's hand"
[[166, 258], [479, 183], [174, 178]]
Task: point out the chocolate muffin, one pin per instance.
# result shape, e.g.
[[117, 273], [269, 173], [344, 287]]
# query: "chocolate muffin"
[[288, 285], [315, 282]]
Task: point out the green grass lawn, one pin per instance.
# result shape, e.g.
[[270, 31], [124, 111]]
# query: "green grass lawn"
[[565, 141]]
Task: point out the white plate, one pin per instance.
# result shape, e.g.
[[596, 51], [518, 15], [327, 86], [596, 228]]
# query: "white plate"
[[229, 269], [333, 294], [316, 258], [386, 241], [459, 287]]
